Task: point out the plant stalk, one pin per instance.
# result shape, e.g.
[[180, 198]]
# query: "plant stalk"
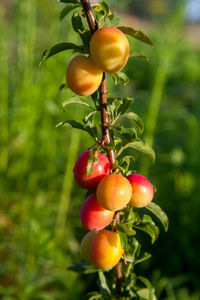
[[93, 25]]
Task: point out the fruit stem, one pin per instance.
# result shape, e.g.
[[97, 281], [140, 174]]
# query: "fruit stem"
[[93, 25]]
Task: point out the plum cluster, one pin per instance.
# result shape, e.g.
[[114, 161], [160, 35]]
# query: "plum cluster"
[[109, 49], [109, 193]]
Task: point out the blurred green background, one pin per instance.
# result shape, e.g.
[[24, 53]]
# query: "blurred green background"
[[40, 230]]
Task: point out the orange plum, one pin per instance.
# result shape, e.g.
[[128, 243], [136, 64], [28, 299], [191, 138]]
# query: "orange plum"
[[83, 76], [106, 249], [85, 246], [114, 192], [109, 49]]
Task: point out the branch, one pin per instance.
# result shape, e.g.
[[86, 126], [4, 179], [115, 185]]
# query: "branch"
[[104, 122], [89, 15]]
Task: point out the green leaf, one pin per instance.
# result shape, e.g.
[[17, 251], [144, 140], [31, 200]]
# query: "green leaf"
[[90, 126], [137, 34], [132, 117], [126, 102], [58, 48], [76, 100], [85, 37], [139, 55], [77, 22], [85, 34], [132, 215], [126, 229], [103, 285], [92, 159], [136, 261], [67, 9], [140, 146], [113, 19], [159, 213], [144, 294], [147, 283], [125, 162], [117, 106], [92, 296], [123, 239], [120, 77], [102, 11], [71, 123], [82, 268], [150, 229], [68, 1]]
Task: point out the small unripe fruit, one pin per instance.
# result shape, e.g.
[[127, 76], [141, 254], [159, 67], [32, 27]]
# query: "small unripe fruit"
[[86, 245], [93, 215], [83, 76], [101, 169], [143, 192], [106, 249], [109, 49], [114, 192]]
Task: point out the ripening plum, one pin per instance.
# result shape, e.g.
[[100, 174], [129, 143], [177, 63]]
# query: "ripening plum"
[[93, 215], [83, 76], [101, 168], [143, 192], [106, 249], [86, 245], [114, 192], [109, 49]]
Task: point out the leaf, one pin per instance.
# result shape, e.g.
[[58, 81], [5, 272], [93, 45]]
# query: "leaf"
[[92, 296], [147, 283], [92, 159], [137, 34], [114, 20], [131, 217], [126, 229], [159, 213], [140, 146], [67, 9], [126, 102], [150, 229], [68, 1], [123, 239], [76, 100], [117, 106], [101, 10], [85, 34], [72, 123], [77, 22], [125, 162], [90, 126], [132, 117], [136, 261], [139, 55], [82, 268], [144, 294], [120, 77], [103, 285], [58, 48], [85, 37]]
